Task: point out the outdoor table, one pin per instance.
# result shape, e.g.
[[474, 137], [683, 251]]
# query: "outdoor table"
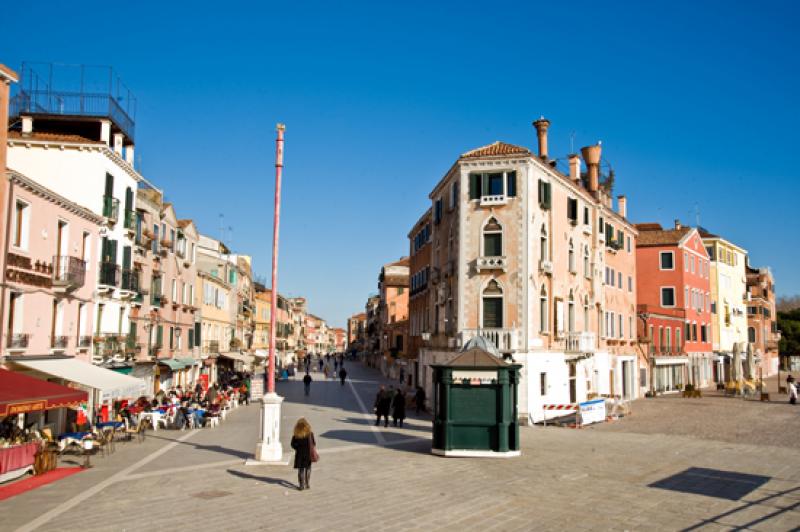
[[154, 416], [68, 438], [16, 460], [110, 425]]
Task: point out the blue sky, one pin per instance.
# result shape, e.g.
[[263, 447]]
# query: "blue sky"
[[695, 103]]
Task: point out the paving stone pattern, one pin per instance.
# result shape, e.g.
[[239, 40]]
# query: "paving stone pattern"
[[372, 478]]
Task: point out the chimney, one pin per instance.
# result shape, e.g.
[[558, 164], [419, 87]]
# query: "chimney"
[[118, 143], [677, 224], [622, 206], [129, 154], [27, 125], [591, 155], [575, 168], [541, 126], [105, 131]]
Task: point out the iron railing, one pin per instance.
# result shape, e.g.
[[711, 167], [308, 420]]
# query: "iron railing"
[[69, 271], [59, 342], [130, 280], [111, 208], [109, 274], [129, 221], [84, 341], [18, 340]]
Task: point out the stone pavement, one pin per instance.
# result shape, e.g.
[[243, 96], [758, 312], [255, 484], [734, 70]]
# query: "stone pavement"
[[386, 479]]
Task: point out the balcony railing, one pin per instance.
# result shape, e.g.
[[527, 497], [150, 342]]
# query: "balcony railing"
[[111, 208], [84, 341], [496, 199], [59, 342], [109, 274], [580, 342], [18, 340], [492, 263], [69, 272], [665, 350], [130, 280], [506, 340], [211, 346]]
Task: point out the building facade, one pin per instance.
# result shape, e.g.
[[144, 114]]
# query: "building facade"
[[419, 300], [523, 255], [762, 325], [674, 290]]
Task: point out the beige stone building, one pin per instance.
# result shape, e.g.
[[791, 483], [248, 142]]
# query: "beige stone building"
[[538, 262]]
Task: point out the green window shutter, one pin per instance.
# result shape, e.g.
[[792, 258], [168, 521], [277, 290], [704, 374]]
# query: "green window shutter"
[[172, 337], [191, 338], [511, 184], [109, 185], [132, 333], [492, 244], [493, 312], [474, 186], [126, 257], [197, 332], [160, 335]]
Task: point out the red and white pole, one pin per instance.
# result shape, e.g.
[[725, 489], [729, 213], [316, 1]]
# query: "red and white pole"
[[275, 233]]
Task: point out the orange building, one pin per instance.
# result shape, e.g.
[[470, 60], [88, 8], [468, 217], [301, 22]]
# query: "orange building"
[[419, 324]]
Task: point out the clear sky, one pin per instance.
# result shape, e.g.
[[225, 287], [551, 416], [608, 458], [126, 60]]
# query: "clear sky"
[[696, 104]]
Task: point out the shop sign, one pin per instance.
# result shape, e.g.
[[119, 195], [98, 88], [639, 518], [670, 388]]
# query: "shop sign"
[[22, 408], [25, 271], [474, 378], [592, 411]]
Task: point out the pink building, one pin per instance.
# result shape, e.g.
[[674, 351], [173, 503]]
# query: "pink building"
[[47, 304]]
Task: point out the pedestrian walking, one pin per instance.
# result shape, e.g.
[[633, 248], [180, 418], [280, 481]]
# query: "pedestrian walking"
[[305, 452], [320, 363], [326, 371], [398, 408], [383, 402], [342, 374], [419, 399], [335, 364], [307, 383]]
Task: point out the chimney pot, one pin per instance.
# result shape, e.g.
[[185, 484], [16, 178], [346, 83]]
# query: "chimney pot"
[[622, 206], [591, 155], [541, 126], [575, 168], [677, 224], [27, 125]]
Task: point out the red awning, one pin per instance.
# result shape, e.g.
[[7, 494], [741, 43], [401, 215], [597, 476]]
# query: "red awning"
[[20, 394]]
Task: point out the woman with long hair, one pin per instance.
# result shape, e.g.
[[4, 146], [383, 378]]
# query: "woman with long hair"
[[304, 446]]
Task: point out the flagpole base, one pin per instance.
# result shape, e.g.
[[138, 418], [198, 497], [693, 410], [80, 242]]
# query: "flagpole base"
[[269, 449]]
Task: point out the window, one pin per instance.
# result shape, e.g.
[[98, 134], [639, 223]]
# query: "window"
[[400, 290], [691, 263], [86, 248], [542, 383], [174, 292], [685, 297], [154, 244], [667, 260], [668, 338], [628, 243], [437, 211], [685, 261], [572, 267], [586, 216], [572, 210], [710, 251], [571, 313], [492, 239], [619, 280], [586, 269], [453, 195], [585, 313], [543, 318], [704, 333], [621, 333], [611, 323], [493, 306], [21, 223], [544, 194], [678, 344], [667, 297], [630, 327], [543, 248], [630, 283]]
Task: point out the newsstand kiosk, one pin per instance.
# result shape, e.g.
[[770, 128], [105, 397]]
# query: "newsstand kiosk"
[[475, 406]]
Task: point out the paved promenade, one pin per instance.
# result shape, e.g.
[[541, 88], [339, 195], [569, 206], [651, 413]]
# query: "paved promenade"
[[372, 478]]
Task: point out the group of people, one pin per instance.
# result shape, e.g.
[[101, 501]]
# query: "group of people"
[[390, 401]]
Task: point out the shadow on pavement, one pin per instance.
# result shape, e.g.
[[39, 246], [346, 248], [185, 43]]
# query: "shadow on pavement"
[[368, 422], [213, 448], [267, 480], [394, 440]]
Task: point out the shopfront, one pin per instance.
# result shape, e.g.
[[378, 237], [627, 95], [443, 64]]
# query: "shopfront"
[[670, 374]]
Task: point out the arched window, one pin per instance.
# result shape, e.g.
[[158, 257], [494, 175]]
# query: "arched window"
[[492, 306], [544, 322], [572, 266], [586, 271], [571, 312], [751, 335], [585, 313], [492, 239], [543, 248]]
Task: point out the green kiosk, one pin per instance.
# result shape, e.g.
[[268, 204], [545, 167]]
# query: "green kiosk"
[[475, 404]]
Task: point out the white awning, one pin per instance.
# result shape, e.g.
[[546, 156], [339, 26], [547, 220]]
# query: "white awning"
[[261, 353], [670, 360], [112, 385], [238, 357]]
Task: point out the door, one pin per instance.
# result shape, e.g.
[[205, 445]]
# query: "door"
[[573, 392], [626, 379], [61, 246]]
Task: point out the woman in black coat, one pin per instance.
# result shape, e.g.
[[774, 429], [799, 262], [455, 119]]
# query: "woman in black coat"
[[398, 408], [304, 446]]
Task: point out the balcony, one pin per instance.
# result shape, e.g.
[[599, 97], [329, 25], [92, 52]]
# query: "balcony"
[[130, 281], [492, 263], [84, 341], [506, 340], [68, 273], [59, 342], [580, 342], [165, 245], [18, 341], [546, 266], [111, 209], [493, 200], [108, 275]]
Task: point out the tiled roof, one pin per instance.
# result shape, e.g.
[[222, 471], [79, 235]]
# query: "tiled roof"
[[496, 149], [651, 234], [704, 233], [183, 223], [55, 137]]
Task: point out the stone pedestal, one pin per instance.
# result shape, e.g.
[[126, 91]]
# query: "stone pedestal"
[[269, 447]]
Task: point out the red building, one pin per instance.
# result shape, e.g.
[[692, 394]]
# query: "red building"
[[674, 306]]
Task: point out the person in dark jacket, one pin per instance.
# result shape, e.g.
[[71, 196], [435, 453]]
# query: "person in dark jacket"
[[302, 443], [398, 408], [342, 375], [307, 383], [419, 399], [383, 403]]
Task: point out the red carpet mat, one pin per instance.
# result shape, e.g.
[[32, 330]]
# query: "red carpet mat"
[[31, 483]]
